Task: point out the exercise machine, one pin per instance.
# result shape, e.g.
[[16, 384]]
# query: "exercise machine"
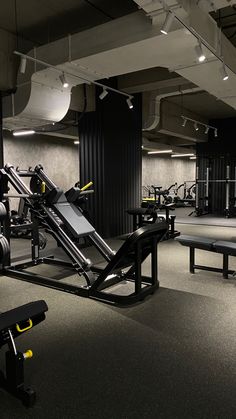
[[152, 212], [14, 323], [204, 192], [51, 208]]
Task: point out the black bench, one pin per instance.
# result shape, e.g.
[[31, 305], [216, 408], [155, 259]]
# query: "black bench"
[[226, 248], [12, 324]]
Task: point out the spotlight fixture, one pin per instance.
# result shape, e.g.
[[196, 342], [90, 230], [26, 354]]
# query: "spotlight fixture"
[[76, 142], [23, 132], [23, 63], [200, 55], [182, 155], [63, 80], [103, 94], [224, 73], [215, 132], [168, 22], [129, 102], [160, 152], [184, 122], [198, 124]]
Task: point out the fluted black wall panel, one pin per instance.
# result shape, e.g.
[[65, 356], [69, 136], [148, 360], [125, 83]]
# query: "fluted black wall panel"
[[110, 155]]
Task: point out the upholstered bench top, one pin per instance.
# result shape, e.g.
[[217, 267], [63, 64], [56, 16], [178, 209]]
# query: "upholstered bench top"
[[198, 242], [225, 247]]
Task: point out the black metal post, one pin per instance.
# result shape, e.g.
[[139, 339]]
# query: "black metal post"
[[191, 259], [225, 266]]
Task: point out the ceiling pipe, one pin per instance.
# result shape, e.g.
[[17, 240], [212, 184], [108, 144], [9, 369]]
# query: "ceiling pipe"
[[155, 106], [40, 98]]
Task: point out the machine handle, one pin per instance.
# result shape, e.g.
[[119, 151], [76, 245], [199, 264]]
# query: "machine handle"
[[26, 328], [86, 186]]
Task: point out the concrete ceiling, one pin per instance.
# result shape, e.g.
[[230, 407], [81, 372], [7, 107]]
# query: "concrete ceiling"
[[43, 21], [204, 104], [226, 20]]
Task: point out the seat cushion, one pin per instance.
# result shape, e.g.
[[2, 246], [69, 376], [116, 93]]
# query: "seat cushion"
[[137, 211], [228, 248], [198, 242]]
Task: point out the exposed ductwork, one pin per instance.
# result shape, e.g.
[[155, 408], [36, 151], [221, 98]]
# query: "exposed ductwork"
[[154, 117], [124, 45], [151, 6]]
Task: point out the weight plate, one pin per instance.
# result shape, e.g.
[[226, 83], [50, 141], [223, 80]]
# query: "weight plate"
[[3, 211]]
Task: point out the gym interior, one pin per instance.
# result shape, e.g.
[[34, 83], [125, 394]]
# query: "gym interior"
[[117, 209]]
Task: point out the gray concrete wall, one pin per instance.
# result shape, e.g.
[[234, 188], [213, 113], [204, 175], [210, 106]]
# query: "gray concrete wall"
[[164, 171], [59, 157]]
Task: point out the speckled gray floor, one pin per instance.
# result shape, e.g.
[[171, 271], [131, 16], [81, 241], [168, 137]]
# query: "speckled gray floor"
[[172, 356], [182, 217]]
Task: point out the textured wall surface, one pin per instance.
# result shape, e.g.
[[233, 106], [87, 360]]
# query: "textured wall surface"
[[59, 157], [164, 171]]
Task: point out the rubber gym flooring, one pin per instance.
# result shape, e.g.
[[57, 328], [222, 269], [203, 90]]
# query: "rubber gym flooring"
[[171, 356], [182, 216]]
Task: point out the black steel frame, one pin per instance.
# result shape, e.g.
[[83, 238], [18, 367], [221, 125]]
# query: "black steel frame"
[[225, 264], [99, 281]]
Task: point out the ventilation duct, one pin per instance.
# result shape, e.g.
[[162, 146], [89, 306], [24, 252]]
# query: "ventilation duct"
[[124, 45]]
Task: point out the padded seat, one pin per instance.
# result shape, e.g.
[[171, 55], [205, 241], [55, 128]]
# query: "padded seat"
[[21, 314], [139, 211], [198, 242], [74, 220], [225, 247]]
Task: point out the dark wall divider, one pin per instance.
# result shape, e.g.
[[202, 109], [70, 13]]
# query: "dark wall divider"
[[110, 156]]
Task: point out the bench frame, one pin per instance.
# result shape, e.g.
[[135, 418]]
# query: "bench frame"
[[225, 267], [13, 379]]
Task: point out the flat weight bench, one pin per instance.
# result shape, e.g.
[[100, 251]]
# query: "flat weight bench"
[[226, 248], [12, 324]]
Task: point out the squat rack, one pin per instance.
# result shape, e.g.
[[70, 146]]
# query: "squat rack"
[[207, 182]]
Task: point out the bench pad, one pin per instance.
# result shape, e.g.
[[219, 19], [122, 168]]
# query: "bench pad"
[[21, 314], [225, 247], [198, 242]]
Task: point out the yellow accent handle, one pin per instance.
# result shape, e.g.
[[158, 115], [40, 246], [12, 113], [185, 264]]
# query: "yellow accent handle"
[[26, 328], [28, 354], [43, 187], [86, 186]]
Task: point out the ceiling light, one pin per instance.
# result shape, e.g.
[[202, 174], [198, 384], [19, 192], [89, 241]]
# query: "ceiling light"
[[25, 132], [192, 158], [103, 94], [196, 126], [23, 63], [160, 151], [183, 155], [207, 129], [129, 103], [76, 142], [184, 122], [215, 133], [63, 80], [168, 22], [224, 73], [201, 56]]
